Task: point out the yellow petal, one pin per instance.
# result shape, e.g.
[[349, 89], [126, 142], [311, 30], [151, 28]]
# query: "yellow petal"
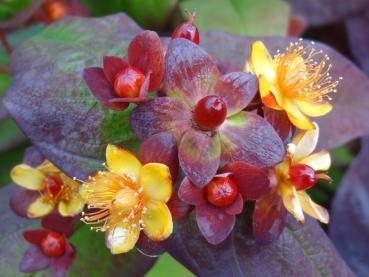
[[40, 207], [122, 162], [291, 201], [122, 238], [314, 109], [314, 210], [156, 182], [47, 167], [261, 62], [72, 207], [27, 177], [157, 220], [320, 161], [269, 95], [296, 117], [305, 143]]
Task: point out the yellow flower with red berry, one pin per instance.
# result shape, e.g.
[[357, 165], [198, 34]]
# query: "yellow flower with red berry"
[[294, 81], [56, 189], [127, 198], [300, 171]]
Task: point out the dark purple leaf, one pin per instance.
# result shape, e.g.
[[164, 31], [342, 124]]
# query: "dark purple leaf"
[[301, 250], [58, 223], [214, 223], [357, 29], [252, 182], [35, 236], [163, 114], [349, 228], [323, 12], [199, 156], [161, 148], [145, 52], [149, 247], [236, 207], [280, 122], [58, 112], [350, 106], [33, 260], [33, 157], [269, 217], [237, 89], [190, 72], [249, 138], [61, 265], [178, 208]]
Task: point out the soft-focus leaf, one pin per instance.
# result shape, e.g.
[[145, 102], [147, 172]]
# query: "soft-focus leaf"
[[243, 17], [357, 30], [166, 266], [349, 117], [58, 113], [11, 136], [10, 8], [322, 12], [300, 251], [94, 259], [12, 242], [349, 228]]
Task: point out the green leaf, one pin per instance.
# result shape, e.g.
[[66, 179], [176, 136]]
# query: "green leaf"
[[166, 265], [8, 8], [94, 259], [243, 17]]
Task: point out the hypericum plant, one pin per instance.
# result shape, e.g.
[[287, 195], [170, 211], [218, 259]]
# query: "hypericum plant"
[[216, 140]]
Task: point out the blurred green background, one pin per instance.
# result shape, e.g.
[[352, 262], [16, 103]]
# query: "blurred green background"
[[244, 17]]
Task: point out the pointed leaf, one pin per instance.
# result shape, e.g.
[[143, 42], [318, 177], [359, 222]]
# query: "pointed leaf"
[[33, 260], [111, 66], [191, 194]]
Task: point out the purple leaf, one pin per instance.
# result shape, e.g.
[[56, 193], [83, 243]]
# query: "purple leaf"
[[214, 223], [61, 265], [350, 106], [349, 228], [33, 157], [199, 156], [300, 251], [161, 148], [269, 217], [324, 12], [190, 72], [149, 247], [236, 207], [249, 138], [21, 199], [191, 194], [237, 89], [58, 223], [33, 260], [163, 114], [280, 122], [111, 66], [178, 208]]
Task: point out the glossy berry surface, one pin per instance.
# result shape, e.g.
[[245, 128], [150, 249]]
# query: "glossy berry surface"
[[53, 245], [187, 30], [302, 176], [210, 112], [221, 191], [128, 82], [53, 185]]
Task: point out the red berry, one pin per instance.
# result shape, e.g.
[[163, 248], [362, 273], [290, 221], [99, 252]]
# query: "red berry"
[[302, 176], [53, 185], [187, 30], [210, 112], [128, 82], [53, 245], [221, 191]]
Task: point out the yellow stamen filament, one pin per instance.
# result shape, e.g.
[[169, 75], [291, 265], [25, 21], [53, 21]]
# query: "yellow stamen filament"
[[301, 76]]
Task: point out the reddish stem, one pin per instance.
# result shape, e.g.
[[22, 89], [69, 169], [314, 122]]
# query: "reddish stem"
[[5, 69], [5, 43]]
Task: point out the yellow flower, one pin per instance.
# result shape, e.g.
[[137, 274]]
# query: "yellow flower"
[[127, 198], [299, 172], [294, 81], [56, 189]]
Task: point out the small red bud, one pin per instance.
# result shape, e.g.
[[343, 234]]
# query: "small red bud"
[[53, 245], [53, 185], [128, 82], [210, 112], [221, 191], [187, 30], [302, 176]]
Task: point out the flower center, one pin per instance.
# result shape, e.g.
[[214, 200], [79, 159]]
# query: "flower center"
[[125, 199], [128, 82], [53, 186], [302, 176], [221, 191], [53, 245], [210, 112], [301, 76]]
